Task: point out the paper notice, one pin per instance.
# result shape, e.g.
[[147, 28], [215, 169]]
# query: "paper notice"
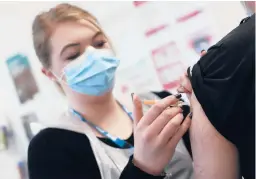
[[168, 64], [137, 78]]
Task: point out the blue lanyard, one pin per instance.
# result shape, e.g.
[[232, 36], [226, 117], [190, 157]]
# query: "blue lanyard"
[[121, 143]]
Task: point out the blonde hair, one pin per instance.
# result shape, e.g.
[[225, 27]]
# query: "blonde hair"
[[45, 23]]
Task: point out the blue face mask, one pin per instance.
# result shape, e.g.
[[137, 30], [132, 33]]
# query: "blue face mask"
[[93, 73]]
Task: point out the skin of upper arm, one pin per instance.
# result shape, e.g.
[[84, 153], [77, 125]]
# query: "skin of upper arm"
[[214, 156]]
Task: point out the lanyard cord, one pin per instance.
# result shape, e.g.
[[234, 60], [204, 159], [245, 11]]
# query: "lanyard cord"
[[120, 142]]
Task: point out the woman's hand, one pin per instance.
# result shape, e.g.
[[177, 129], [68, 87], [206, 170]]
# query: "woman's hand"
[[185, 85], [157, 133]]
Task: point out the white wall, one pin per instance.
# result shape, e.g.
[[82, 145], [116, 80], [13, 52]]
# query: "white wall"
[[119, 21]]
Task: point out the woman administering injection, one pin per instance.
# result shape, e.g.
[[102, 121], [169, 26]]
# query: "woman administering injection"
[[98, 137]]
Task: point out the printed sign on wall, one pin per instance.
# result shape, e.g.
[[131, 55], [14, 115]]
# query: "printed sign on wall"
[[139, 77], [200, 41], [22, 77], [168, 63]]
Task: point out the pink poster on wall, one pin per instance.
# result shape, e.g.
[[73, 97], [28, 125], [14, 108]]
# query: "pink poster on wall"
[[168, 64], [139, 3]]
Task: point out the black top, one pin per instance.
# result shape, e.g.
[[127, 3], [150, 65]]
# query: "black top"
[[59, 153], [224, 83], [62, 154]]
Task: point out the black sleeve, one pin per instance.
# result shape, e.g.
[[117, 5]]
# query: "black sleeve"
[[221, 78], [223, 81], [132, 172], [57, 153]]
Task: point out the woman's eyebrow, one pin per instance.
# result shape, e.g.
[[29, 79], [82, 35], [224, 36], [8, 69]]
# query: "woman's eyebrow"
[[69, 45]]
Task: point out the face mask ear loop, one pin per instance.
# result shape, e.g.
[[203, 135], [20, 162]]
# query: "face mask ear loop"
[[60, 79]]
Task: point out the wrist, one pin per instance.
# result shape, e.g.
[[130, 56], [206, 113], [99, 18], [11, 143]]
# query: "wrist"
[[147, 170]]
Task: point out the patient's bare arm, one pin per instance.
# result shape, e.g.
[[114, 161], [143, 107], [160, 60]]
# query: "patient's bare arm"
[[214, 156]]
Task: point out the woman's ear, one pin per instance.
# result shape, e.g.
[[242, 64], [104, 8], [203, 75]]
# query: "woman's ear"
[[48, 74]]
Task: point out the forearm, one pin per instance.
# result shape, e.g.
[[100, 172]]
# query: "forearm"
[[214, 156]]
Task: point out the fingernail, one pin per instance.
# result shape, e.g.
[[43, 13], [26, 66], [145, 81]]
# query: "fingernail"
[[185, 109], [191, 115], [132, 94], [181, 106], [178, 96]]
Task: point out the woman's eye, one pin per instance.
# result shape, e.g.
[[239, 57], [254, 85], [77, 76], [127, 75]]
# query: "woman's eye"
[[72, 57], [99, 44]]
